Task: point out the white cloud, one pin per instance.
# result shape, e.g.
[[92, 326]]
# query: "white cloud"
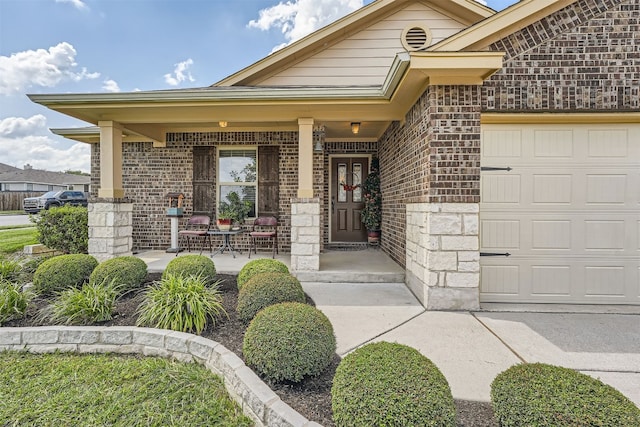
[[27, 140], [298, 18], [78, 4], [180, 73], [16, 127], [482, 2], [40, 68], [110, 86]]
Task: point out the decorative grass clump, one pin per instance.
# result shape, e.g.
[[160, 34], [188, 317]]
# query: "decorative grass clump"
[[266, 289], [94, 302], [9, 270], [63, 389], [126, 272], [63, 272], [289, 341], [192, 265], [388, 384], [258, 266], [13, 301], [180, 303], [537, 394]]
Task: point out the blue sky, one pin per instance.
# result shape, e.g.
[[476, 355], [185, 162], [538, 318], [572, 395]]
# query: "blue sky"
[[77, 46]]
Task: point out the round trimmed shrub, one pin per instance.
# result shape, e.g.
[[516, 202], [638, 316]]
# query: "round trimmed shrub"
[[289, 341], [388, 384], [126, 273], [257, 266], [545, 395], [191, 265], [63, 272], [266, 289]]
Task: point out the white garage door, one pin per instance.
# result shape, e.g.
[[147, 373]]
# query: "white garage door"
[[567, 213]]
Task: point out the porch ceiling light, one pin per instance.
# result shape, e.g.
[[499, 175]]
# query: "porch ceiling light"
[[355, 127], [223, 124]]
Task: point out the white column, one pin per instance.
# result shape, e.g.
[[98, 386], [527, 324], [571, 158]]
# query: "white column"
[[305, 158], [110, 160]]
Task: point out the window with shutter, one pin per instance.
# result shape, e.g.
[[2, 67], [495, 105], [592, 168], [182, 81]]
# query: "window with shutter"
[[251, 172]]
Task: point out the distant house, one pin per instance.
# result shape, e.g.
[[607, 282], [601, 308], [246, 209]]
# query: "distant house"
[[30, 179], [508, 144]]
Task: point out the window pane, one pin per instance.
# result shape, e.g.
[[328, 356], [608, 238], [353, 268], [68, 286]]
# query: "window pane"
[[246, 192], [357, 181], [237, 166], [342, 181]]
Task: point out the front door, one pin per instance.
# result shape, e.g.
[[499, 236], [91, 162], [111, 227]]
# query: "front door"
[[347, 176]]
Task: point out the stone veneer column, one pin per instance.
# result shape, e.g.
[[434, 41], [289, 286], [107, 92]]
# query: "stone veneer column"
[[110, 228], [442, 256], [305, 234]]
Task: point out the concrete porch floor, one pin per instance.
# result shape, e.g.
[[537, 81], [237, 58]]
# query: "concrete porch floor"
[[363, 266]]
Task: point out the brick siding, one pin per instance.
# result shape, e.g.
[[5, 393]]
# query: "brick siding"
[[582, 58], [149, 173]]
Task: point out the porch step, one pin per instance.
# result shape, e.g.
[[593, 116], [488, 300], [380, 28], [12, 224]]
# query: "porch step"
[[363, 266], [325, 276]]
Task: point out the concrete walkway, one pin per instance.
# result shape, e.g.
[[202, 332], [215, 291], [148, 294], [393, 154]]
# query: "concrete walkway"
[[472, 348]]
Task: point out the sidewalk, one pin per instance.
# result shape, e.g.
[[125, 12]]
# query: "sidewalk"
[[472, 348]]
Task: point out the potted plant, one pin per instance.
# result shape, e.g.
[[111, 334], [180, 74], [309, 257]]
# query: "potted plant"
[[234, 210], [372, 213]]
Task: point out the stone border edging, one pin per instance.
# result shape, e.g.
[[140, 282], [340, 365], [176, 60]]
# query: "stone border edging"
[[257, 400]]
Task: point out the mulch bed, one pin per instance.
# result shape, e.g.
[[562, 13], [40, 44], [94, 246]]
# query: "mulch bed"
[[311, 397]]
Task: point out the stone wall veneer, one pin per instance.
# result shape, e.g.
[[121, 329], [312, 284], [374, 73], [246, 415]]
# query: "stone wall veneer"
[[257, 400], [442, 256], [305, 235], [110, 229]]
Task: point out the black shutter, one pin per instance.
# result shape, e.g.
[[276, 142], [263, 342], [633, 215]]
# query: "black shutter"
[[268, 181], [204, 180]]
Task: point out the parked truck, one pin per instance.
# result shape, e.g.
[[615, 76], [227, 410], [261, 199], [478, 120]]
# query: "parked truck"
[[33, 205]]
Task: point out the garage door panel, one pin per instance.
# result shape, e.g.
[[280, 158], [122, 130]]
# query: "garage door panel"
[[609, 281], [567, 213]]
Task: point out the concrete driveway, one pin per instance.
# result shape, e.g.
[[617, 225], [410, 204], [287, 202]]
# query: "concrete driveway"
[[15, 220], [472, 348]]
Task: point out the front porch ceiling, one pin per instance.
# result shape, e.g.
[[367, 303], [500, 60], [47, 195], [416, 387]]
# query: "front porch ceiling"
[[151, 115]]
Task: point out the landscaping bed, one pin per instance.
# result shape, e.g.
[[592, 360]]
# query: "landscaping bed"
[[311, 397]]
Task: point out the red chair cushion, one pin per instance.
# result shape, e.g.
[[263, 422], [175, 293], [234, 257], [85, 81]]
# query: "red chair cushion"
[[262, 234]]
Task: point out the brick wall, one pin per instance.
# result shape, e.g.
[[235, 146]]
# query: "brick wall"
[[150, 173], [582, 58], [434, 157]]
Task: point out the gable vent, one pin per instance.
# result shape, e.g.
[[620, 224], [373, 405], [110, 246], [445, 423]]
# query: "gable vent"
[[416, 37]]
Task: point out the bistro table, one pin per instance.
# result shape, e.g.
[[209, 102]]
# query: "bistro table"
[[226, 243]]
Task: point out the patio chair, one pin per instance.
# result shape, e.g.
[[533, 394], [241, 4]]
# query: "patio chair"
[[197, 226], [264, 227]]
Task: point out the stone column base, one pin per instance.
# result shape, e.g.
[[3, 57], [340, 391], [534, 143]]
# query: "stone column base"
[[110, 229], [442, 255], [305, 234]]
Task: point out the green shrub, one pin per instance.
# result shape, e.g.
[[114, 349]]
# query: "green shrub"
[[62, 272], [258, 266], [289, 341], [64, 229], [13, 301], [192, 265], [9, 270], [29, 266], [537, 394], [266, 289], [388, 384], [94, 302], [180, 303], [127, 272]]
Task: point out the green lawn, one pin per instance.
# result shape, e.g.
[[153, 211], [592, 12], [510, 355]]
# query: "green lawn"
[[14, 240], [11, 212], [91, 390]]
